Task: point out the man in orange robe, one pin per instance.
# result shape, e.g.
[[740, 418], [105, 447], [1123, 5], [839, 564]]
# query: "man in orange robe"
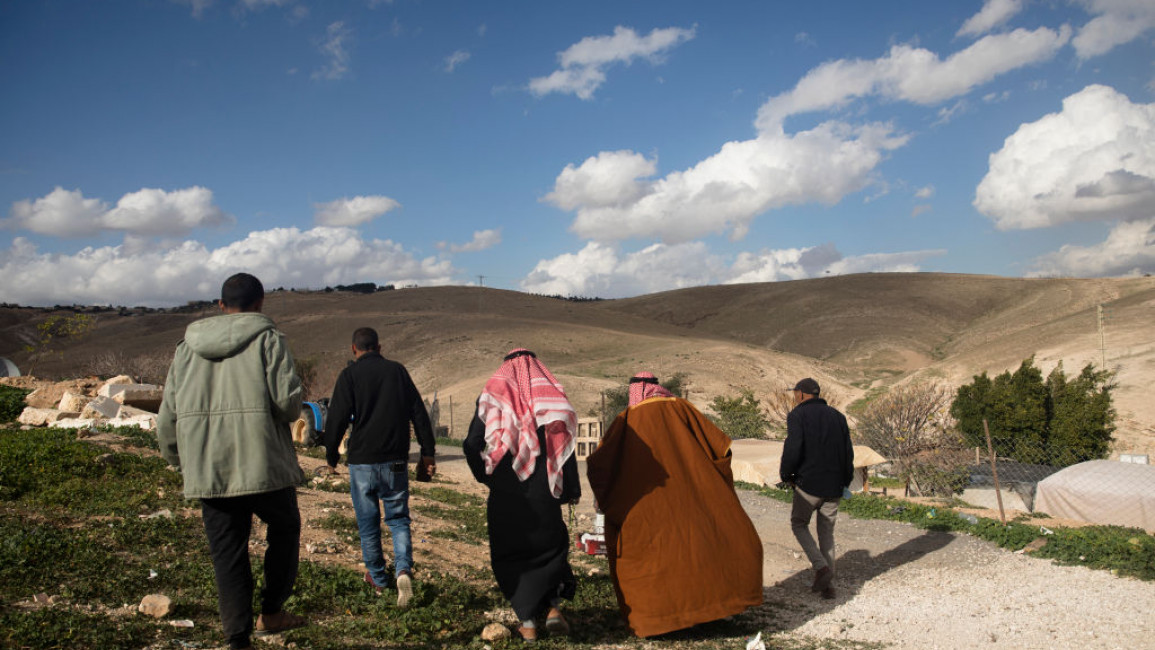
[[682, 550]]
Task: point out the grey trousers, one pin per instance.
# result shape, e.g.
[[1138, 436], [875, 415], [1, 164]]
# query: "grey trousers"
[[820, 554]]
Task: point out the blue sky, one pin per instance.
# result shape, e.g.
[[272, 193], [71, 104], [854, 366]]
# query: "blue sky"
[[151, 148]]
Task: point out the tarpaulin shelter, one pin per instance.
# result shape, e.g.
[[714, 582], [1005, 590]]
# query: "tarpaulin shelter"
[[1101, 492]]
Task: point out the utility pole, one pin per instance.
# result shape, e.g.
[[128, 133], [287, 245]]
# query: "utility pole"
[[481, 280], [1102, 339]]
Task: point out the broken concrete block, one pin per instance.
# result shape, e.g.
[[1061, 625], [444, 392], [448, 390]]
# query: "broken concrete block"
[[101, 407], [143, 396], [112, 386], [72, 402], [73, 423], [41, 417], [146, 421]]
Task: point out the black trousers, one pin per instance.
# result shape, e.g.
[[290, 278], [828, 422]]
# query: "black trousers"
[[228, 524]]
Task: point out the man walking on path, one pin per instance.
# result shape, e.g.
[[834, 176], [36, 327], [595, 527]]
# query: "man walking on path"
[[231, 392], [379, 398], [818, 460]]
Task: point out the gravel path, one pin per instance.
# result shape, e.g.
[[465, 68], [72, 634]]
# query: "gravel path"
[[904, 587], [912, 588]]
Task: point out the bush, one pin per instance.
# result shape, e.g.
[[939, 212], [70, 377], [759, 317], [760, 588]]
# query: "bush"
[[740, 417], [11, 402]]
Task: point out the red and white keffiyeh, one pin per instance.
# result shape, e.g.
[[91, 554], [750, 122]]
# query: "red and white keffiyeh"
[[643, 386], [521, 396]]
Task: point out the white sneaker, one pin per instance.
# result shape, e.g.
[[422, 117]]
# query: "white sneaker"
[[404, 590]]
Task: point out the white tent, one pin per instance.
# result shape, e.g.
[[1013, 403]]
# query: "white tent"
[[756, 461], [1101, 492], [8, 369]]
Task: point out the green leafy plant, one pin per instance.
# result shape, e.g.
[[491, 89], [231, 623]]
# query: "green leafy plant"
[[11, 402], [740, 417]]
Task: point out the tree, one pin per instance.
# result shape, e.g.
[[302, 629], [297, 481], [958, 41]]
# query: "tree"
[[740, 417], [1082, 417], [1055, 422], [55, 329], [911, 426]]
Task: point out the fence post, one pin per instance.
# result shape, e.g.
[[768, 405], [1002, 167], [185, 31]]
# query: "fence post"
[[450, 416], [995, 472]]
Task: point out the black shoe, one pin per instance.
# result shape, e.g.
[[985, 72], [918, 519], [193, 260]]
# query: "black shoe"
[[822, 579]]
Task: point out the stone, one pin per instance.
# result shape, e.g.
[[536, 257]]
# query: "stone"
[[155, 605], [142, 396], [146, 421], [73, 423], [42, 417], [101, 407], [114, 385], [72, 402], [495, 632]]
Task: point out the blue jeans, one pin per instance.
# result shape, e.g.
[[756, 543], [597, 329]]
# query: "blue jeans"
[[388, 484]]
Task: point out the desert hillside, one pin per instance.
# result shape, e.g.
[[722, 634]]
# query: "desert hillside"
[[850, 332]]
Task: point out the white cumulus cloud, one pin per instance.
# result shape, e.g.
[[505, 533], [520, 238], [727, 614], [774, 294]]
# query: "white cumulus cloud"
[[1093, 160], [156, 212], [604, 271], [1128, 250], [583, 64], [993, 14], [128, 275], [913, 74], [61, 212], [1115, 22], [149, 211], [482, 240], [614, 199], [352, 212]]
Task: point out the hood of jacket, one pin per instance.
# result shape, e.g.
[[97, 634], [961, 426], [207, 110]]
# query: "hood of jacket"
[[223, 336]]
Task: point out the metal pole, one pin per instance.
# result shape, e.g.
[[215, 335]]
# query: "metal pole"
[[995, 472], [450, 416], [1102, 339]]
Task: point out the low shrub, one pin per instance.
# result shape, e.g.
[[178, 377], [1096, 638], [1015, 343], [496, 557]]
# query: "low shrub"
[[11, 402]]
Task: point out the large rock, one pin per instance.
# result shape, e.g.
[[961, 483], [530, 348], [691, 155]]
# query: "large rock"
[[49, 395], [113, 386], [42, 417], [101, 407], [133, 417], [142, 396], [72, 402]]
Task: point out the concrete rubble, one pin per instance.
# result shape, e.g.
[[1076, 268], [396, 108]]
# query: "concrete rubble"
[[87, 403]]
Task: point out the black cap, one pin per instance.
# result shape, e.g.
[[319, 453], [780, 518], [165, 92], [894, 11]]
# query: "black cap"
[[807, 386]]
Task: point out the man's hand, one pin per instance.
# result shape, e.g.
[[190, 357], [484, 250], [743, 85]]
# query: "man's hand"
[[426, 467]]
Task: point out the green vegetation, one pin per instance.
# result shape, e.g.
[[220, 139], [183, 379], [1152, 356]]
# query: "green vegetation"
[[1125, 551], [11, 402], [55, 329], [465, 513], [1058, 421], [740, 417]]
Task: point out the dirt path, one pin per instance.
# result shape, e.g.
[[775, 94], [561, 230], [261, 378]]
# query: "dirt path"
[[897, 585], [920, 589]]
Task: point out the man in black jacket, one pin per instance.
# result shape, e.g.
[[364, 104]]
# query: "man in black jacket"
[[377, 397], [818, 460]]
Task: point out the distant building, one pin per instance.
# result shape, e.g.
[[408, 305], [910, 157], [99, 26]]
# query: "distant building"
[[589, 436]]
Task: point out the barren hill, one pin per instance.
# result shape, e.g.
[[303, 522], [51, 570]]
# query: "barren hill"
[[851, 332]]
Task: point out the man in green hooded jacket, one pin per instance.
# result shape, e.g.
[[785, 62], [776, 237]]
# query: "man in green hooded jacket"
[[231, 393]]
